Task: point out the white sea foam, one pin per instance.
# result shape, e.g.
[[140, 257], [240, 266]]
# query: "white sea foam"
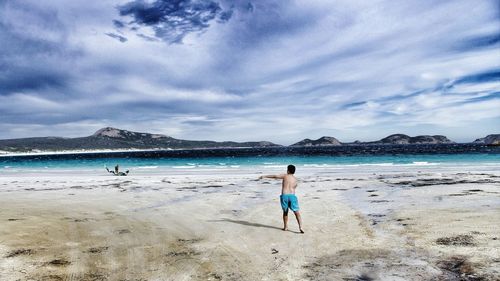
[[388, 164], [147, 167], [318, 165], [78, 151], [275, 166], [183, 167], [423, 163]]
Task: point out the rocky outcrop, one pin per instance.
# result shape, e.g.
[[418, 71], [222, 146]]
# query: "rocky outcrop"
[[392, 139], [124, 134], [405, 139], [323, 141], [489, 140]]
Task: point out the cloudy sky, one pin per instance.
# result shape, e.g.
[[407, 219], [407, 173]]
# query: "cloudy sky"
[[250, 70]]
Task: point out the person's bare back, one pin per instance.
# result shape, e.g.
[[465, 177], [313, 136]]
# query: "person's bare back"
[[289, 184]]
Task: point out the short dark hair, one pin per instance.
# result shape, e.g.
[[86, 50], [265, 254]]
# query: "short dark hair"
[[290, 169]]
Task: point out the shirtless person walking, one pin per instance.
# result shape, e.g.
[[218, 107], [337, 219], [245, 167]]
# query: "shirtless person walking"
[[287, 198]]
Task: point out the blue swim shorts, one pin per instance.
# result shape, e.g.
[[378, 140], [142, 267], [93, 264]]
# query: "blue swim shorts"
[[289, 201]]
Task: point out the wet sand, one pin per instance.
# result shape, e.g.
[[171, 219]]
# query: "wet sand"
[[360, 225]]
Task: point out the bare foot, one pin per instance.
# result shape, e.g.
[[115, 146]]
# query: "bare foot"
[[284, 229]]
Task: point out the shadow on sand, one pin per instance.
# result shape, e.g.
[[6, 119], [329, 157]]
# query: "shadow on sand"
[[247, 223]]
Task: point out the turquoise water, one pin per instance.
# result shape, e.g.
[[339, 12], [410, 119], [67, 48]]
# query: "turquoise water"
[[239, 162]]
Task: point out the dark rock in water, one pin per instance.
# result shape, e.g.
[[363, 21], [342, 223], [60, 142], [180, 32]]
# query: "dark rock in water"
[[323, 141], [489, 140]]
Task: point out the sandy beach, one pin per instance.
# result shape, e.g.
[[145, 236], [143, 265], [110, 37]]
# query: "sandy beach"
[[373, 223]]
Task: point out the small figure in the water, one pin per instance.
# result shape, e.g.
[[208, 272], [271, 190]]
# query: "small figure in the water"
[[117, 172]]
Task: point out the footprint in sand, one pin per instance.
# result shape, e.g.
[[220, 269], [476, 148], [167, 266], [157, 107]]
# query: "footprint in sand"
[[123, 231], [20, 252], [97, 250], [58, 262]]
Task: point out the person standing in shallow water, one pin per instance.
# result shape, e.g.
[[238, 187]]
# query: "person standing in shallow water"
[[288, 199]]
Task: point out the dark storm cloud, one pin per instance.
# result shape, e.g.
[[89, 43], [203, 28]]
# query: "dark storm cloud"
[[32, 49], [483, 77], [147, 38], [225, 16], [18, 79], [117, 37], [487, 97], [173, 20], [477, 42], [264, 21], [118, 24]]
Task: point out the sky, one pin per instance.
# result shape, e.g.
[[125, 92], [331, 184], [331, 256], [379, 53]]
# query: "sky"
[[256, 70]]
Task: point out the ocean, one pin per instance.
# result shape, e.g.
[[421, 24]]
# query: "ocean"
[[262, 158]]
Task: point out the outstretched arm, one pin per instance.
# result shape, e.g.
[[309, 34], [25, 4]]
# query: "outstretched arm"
[[272, 177]]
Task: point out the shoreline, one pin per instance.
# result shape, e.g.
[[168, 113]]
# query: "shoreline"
[[97, 151], [222, 171], [69, 152]]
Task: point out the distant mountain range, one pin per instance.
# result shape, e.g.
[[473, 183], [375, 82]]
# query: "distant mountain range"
[[489, 139], [323, 141], [404, 139], [392, 139], [116, 139], [397, 139], [112, 138]]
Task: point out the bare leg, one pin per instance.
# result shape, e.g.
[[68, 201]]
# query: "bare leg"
[[299, 221], [285, 220]]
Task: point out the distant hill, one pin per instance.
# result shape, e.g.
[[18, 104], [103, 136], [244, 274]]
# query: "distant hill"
[[392, 139], [116, 139], [405, 139], [112, 138], [323, 141], [489, 139]]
